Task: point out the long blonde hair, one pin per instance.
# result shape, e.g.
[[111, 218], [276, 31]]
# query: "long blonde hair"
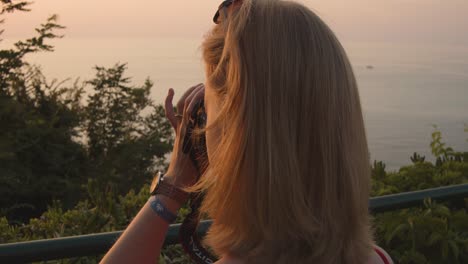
[[289, 181]]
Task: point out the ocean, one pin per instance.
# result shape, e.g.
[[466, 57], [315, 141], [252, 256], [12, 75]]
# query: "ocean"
[[405, 88]]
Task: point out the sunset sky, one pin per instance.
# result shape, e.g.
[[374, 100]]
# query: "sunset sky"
[[353, 20]]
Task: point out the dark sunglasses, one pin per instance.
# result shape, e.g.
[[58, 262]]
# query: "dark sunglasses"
[[225, 4]]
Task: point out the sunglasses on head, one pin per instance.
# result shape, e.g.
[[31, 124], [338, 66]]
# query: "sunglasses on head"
[[223, 6]]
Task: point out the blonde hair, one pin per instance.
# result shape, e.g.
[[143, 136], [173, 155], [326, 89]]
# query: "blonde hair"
[[289, 182]]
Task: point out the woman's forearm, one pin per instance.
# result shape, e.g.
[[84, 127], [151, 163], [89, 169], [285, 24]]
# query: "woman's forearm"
[[142, 241]]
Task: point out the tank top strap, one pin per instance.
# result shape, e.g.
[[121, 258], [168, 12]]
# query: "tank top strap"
[[382, 255]]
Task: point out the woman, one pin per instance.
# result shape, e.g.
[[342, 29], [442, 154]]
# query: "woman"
[[288, 176]]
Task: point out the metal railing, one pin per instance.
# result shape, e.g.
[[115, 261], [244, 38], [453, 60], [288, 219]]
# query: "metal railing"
[[95, 244]]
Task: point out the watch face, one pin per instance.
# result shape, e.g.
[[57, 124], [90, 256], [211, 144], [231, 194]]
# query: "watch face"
[[155, 182]]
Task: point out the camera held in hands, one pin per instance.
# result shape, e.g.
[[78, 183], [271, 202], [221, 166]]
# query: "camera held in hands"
[[195, 143]]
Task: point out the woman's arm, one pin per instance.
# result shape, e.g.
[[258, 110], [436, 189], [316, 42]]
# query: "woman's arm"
[[142, 241]]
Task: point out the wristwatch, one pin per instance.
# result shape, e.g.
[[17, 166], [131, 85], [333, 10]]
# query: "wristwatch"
[[159, 186]]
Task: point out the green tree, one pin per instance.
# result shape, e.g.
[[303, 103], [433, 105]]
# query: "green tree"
[[39, 160], [124, 145], [52, 145]]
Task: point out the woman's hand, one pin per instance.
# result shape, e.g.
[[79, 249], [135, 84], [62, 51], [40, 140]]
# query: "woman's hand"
[[182, 171]]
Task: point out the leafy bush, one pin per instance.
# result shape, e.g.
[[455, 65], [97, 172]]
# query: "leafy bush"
[[89, 216], [434, 233]]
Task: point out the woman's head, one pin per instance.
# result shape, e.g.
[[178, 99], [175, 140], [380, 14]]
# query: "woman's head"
[[289, 175]]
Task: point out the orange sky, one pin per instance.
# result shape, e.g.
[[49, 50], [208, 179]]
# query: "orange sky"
[[353, 20]]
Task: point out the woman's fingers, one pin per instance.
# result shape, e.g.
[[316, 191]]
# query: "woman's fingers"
[[190, 98], [181, 103], [198, 95], [170, 109]]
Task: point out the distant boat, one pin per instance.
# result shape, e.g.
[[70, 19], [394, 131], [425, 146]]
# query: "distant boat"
[[369, 67]]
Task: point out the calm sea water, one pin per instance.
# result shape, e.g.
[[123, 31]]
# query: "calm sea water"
[[410, 88]]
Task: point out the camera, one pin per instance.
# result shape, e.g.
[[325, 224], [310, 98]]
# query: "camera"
[[195, 144]]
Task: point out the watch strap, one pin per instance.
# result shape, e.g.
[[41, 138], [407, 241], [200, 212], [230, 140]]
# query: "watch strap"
[[170, 191]]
